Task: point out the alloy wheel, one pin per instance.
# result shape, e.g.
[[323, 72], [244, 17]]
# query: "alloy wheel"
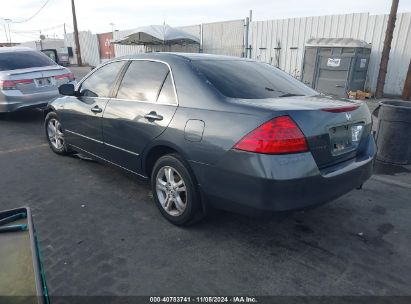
[[171, 191], [55, 134]]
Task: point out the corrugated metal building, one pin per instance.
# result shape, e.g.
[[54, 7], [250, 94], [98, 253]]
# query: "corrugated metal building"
[[90, 53], [224, 38], [281, 42]]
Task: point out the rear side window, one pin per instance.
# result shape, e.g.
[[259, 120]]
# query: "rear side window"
[[142, 80], [101, 81], [167, 95], [23, 60], [249, 79]]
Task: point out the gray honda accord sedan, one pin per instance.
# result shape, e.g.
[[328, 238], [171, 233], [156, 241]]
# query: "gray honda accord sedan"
[[216, 131]]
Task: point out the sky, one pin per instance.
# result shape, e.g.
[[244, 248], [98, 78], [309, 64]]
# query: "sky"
[[97, 15]]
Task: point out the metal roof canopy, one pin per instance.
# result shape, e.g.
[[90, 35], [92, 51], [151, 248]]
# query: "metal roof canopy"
[[158, 35], [337, 42]]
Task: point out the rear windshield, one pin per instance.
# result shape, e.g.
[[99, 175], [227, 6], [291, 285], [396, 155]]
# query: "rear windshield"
[[250, 80], [23, 60]]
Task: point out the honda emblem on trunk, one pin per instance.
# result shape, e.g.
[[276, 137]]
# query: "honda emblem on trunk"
[[348, 116]]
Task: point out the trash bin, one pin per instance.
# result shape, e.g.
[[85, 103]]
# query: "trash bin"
[[394, 132], [336, 66]]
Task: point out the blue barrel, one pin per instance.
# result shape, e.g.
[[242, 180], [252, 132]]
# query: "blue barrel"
[[394, 132]]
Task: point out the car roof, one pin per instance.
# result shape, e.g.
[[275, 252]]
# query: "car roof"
[[184, 56], [16, 49]]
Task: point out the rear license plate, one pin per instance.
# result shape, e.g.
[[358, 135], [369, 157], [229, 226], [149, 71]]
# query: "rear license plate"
[[340, 138], [345, 138], [44, 82]]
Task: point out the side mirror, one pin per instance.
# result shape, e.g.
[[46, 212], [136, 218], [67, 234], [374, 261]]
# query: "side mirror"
[[67, 89]]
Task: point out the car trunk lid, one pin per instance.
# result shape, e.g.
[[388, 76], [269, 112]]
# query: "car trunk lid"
[[37, 80], [334, 129]]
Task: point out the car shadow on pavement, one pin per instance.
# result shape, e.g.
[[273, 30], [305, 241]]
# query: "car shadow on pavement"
[[28, 116], [351, 243]]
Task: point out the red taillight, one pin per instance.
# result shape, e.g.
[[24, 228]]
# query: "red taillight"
[[280, 135], [341, 109], [11, 84], [69, 76], [7, 85]]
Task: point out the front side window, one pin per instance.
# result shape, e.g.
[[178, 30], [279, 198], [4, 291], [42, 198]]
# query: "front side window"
[[142, 81], [23, 60], [249, 79], [101, 81]]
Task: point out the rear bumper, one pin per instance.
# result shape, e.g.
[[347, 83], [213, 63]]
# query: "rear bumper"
[[14, 100], [255, 182]]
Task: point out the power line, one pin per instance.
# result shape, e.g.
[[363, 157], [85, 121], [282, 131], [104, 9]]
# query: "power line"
[[31, 17], [33, 34], [29, 36], [41, 30]]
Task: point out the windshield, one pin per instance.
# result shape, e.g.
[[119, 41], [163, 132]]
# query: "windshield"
[[23, 60], [250, 80]]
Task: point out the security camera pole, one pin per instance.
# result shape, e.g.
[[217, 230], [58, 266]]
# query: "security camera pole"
[[78, 52], [379, 92]]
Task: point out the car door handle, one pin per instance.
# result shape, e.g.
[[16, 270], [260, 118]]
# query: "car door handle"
[[153, 116], [96, 109]]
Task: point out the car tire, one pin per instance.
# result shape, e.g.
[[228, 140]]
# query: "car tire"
[[169, 177], [55, 134]]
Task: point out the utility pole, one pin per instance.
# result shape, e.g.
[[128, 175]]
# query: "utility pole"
[[76, 39], [247, 29], [8, 29], [247, 48], [8, 26], [5, 32], [406, 92], [386, 49]]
